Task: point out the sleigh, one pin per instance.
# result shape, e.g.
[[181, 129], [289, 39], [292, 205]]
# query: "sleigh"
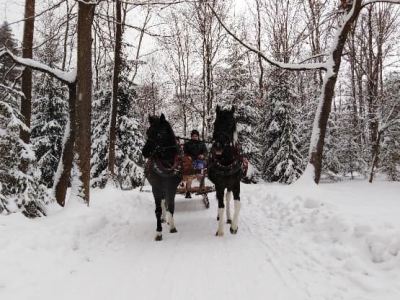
[[199, 179]]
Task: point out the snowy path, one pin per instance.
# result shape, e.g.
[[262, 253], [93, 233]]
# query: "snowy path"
[[287, 247]]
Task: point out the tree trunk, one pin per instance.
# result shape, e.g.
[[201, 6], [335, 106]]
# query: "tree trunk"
[[27, 44], [84, 98], [114, 99], [65, 165], [324, 106], [259, 58], [375, 159]]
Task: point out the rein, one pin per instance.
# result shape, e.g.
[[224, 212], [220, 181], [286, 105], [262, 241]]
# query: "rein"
[[230, 169], [162, 167]]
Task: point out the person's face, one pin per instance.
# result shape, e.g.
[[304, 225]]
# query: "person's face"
[[195, 137]]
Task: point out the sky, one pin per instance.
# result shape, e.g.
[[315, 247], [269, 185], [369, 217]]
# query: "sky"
[[327, 242], [12, 11]]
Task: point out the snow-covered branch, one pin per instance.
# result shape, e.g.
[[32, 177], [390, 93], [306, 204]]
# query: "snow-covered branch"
[[66, 77], [368, 2], [2, 86], [299, 66]]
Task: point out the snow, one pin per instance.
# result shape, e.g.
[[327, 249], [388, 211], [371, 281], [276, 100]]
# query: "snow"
[[331, 241]]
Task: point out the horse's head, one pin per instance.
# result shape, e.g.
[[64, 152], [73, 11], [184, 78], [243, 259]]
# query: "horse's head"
[[224, 130], [160, 138]]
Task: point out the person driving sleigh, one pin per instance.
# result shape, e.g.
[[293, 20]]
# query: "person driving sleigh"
[[196, 151]]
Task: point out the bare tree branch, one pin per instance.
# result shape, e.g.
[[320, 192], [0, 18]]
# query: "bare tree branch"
[[300, 67]]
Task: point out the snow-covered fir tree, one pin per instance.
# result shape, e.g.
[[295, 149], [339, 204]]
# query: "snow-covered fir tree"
[[235, 87], [8, 71], [20, 187], [50, 115], [344, 153], [49, 104], [129, 140], [390, 149], [282, 160]]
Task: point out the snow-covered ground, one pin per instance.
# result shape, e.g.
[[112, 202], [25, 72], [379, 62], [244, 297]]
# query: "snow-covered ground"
[[332, 241]]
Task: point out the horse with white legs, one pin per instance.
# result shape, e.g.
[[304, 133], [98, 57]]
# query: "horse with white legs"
[[163, 169], [225, 167]]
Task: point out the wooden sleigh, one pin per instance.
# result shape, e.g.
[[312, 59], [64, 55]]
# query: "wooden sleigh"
[[189, 173]]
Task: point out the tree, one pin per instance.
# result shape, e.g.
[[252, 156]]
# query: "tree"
[[114, 95], [50, 116], [49, 105], [282, 160], [26, 85], [84, 99], [19, 191], [129, 139], [331, 66], [8, 72]]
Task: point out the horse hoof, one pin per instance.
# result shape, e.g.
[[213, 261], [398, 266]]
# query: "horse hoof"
[[173, 230], [234, 231], [219, 233], [158, 238], [229, 221], [217, 218]]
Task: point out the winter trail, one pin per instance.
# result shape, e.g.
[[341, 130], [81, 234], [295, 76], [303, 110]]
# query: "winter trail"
[[108, 251]]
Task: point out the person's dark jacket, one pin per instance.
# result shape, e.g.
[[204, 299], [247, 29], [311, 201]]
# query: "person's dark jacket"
[[194, 148]]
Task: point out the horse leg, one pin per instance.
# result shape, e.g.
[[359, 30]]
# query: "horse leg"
[[237, 205], [170, 200], [157, 198], [164, 211], [228, 198], [221, 208]]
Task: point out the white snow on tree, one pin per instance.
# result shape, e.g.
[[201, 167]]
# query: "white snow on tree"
[[20, 187], [235, 86], [390, 126], [129, 140], [49, 117], [281, 159]]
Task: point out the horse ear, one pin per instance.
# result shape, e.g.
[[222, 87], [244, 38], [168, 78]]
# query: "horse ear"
[[233, 109], [162, 117], [218, 109], [151, 119]]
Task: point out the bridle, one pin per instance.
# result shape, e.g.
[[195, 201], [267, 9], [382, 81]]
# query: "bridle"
[[221, 133], [162, 167], [216, 161]]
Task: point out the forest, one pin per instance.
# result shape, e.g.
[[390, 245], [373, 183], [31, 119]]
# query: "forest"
[[315, 84]]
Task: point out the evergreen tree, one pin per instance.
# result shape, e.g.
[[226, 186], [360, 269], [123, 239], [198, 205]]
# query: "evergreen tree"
[[19, 191], [129, 161], [390, 149], [49, 105], [282, 160], [8, 70], [100, 123], [50, 115], [235, 88], [344, 153], [129, 138]]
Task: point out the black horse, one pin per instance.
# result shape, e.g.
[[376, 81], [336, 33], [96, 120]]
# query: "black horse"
[[225, 167], [163, 168]]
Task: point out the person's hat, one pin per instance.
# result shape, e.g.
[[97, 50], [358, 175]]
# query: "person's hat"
[[194, 132]]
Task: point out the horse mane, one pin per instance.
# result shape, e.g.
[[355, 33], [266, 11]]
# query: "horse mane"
[[161, 121], [224, 119]]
